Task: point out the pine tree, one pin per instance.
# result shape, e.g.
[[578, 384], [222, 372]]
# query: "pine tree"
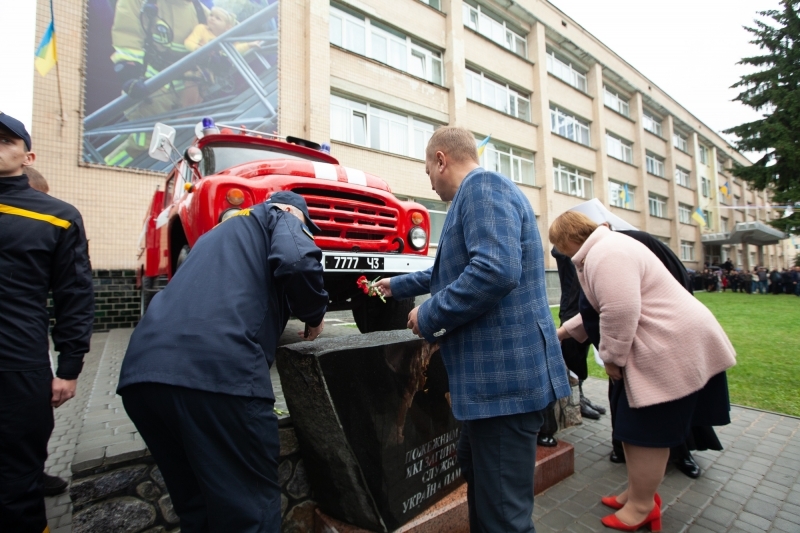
[[775, 91]]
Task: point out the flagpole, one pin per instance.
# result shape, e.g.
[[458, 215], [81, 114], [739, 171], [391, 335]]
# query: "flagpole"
[[58, 70]]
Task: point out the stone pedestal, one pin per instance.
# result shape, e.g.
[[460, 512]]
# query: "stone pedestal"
[[374, 423], [450, 514]]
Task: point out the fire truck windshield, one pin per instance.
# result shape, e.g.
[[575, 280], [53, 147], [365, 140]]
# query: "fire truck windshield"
[[221, 156]]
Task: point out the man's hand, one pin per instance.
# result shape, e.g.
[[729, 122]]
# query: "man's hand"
[[63, 390], [384, 286], [562, 334], [412, 322], [312, 333], [613, 371]]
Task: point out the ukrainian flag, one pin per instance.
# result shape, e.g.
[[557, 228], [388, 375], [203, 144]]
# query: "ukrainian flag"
[[699, 218], [482, 145], [46, 52], [724, 189], [626, 197]]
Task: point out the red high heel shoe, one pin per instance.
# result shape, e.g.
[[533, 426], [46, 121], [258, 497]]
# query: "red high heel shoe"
[[611, 501], [653, 520]]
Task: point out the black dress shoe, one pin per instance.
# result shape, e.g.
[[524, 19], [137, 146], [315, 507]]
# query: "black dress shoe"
[[548, 441], [688, 466], [615, 457], [599, 408], [53, 485], [588, 412]]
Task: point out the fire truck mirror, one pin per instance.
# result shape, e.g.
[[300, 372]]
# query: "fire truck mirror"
[[161, 143]]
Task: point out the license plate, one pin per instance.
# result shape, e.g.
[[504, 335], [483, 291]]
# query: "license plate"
[[347, 262]]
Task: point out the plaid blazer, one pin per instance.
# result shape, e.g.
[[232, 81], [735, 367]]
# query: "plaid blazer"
[[488, 308]]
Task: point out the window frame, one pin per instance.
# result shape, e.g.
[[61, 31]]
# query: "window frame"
[[433, 59], [572, 77], [510, 39], [516, 159], [576, 179], [680, 142], [656, 162], [619, 103], [702, 155], [657, 205], [559, 118], [687, 250], [623, 143], [414, 126], [705, 187], [685, 213], [680, 173], [657, 123], [513, 96], [614, 195]]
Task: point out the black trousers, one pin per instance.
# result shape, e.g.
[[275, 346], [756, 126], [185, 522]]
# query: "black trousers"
[[26, 422], [575, 354], [497, 457], [218, 454]]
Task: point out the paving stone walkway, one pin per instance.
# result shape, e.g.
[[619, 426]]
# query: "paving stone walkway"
[[752, 486]]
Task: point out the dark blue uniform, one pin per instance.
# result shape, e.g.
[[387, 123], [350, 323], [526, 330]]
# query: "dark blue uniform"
[[42, 248], [195, 379]]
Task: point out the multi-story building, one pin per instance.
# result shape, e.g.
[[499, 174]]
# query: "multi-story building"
[[569, 121]]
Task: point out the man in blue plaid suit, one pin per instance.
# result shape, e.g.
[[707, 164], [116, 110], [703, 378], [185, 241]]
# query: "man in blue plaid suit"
[[488, 311]]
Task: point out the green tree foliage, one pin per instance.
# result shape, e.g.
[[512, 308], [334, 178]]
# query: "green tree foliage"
[[775, 91]]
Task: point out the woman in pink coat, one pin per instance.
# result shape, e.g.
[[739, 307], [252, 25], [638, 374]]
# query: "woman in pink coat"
[[666, 347]]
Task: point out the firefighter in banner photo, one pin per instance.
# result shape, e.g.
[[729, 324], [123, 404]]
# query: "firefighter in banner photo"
[[148, 36]]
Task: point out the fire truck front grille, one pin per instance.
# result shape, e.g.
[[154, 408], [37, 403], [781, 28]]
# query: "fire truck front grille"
[[350, 216]]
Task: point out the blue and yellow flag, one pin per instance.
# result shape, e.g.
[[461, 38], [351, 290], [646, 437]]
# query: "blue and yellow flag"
[[482, 144], [724, 189], [626, 197], [46, 51], [699, 218]]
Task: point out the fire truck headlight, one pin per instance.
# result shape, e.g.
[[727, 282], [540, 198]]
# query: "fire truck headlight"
[[194, 154], [228, 213], [417, 238]]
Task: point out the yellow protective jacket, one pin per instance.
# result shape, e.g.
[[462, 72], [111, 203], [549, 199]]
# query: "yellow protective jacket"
[[175, 22]]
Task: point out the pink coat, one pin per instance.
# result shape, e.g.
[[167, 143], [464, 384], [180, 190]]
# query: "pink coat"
[[668, 344]]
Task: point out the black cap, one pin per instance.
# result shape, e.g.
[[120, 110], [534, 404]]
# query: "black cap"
[[294, 199], [17, 128]]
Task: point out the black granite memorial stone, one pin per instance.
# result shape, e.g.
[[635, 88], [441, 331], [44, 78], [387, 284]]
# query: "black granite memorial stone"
[[372, 415]]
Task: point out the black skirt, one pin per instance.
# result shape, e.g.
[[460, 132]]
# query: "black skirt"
[[669, 424]]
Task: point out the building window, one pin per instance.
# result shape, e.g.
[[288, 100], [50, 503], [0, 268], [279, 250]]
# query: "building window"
[[665, 240], [511, 162], [436, 4], [569, 126], [621, 195], [723, 224], [687, 251], [366, 125], [705, 187], [619, 148], [651, 123], [497, 95], [612, 99], [572, 181], [682, 177], [438, 211], [371, 39], [565, 71], [493, 27], [655, 165], [703, 154], [685, 213], [658, 206], [707, 217], [680, 142]]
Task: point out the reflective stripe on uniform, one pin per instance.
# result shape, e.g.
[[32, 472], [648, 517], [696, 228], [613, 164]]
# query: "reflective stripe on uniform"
[[10, 210]]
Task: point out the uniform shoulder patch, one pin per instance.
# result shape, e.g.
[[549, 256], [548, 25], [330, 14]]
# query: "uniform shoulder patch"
[[308, 232]]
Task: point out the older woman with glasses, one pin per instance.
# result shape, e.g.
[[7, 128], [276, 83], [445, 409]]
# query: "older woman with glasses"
[[667, 349]]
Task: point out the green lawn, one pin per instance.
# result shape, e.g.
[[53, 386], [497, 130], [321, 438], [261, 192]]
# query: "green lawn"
[[765, 330]]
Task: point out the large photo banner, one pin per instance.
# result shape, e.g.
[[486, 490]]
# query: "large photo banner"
[[175, 61]]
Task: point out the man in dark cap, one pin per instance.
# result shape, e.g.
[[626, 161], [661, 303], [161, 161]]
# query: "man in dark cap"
[[195, 379], [43, 249]]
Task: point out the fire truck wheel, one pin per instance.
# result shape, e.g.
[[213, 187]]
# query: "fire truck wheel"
[[371, 314]]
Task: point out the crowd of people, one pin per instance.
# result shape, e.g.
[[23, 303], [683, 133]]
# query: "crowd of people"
[[195, 379], [760, 280]]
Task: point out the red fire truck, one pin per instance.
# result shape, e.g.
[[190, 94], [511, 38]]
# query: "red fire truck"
[[366, 230]]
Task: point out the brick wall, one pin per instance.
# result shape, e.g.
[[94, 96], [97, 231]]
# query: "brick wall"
[[116, 300]]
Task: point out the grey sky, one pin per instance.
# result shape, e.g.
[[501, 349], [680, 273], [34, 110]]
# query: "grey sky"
[[689, 48]]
